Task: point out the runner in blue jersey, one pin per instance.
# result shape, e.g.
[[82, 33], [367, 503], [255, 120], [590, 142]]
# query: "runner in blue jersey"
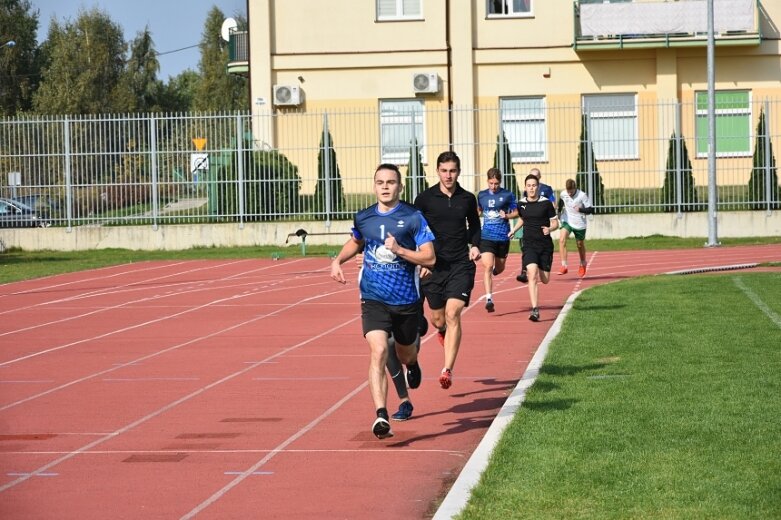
[[497, 205], [395, 239]]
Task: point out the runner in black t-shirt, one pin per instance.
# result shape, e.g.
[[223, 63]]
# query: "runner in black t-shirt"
[[538, 218], [451, 213]]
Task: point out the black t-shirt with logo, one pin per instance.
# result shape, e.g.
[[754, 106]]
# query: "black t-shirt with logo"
[[535, 215]]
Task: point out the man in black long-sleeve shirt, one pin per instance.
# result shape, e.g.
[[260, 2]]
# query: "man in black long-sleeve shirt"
[[451, 213]]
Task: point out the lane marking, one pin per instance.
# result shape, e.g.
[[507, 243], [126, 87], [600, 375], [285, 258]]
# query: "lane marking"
[[179, 401], [175, 347], [756, 300]]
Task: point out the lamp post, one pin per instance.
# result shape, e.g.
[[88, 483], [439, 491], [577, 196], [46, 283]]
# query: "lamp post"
[[9, 43]]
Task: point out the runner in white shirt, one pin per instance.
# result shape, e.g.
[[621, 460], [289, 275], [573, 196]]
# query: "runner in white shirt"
[[574, 206]]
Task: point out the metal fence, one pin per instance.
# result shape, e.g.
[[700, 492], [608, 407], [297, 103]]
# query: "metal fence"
[[288, 165]]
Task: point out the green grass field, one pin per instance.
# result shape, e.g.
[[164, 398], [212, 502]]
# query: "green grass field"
[[658, 399]]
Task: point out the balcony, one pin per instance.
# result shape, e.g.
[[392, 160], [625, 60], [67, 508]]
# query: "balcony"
[[238, 52], [621, 24]]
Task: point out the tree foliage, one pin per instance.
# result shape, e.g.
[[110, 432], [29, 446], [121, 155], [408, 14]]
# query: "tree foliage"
[[141, 73], [763, 171], [83, 67], [503, 160], [588, 169], [688, 195], [329, 192], [217, 89], [416, 174], [19, 65]]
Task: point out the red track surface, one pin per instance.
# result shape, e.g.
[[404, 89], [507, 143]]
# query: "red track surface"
[[237, 389]]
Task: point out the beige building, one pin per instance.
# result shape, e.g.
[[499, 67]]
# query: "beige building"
[[459, 72]]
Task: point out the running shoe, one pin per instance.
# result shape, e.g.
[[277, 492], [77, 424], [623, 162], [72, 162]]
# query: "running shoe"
[[446, 378], [522, 277], [414, 376], [404, 413], [441, 337], [563, 269], [381, 428], [489, 305], [582, 271], [535, 314]]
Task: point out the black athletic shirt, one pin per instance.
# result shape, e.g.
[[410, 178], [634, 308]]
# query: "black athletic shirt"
[[454, 221], [535, 215]]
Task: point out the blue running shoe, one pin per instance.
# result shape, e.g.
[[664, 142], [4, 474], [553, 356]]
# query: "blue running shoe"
[[404, 413]]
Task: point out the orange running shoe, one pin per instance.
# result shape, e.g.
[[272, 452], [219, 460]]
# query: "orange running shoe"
[[563, 269], [446, 378], [582, 271]]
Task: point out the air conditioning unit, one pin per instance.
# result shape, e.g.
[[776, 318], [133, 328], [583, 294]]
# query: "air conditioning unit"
[[425, 83], [287, 95]]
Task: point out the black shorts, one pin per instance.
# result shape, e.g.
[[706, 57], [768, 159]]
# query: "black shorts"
[[449, 280], [498, 249], [543, 257], [399, 320]]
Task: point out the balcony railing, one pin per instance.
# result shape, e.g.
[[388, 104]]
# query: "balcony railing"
[[238, 52], [615, 24]]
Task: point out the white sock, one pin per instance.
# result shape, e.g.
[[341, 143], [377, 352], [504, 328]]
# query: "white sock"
[[564, 264], [488, 296]]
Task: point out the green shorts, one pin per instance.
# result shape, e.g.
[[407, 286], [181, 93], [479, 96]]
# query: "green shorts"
[[580, 234]]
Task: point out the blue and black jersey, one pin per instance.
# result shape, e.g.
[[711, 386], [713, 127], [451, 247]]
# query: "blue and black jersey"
[[384, 276], [495, 228]]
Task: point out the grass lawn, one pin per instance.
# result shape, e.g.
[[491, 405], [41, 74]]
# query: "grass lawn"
[[658, 399]]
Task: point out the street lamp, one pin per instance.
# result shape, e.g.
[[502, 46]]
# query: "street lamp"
[[9, 43]]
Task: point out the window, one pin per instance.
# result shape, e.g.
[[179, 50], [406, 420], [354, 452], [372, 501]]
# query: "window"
[[612, 125], [399, 9], [523, 123], [401, 121], [509, 8], [733, 123]]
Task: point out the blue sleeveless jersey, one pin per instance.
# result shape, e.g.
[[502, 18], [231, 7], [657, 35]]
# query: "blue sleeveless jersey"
[[384, 276], [495, 228]]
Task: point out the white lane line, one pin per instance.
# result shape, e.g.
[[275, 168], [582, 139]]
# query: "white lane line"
[[756, 300], [172, 348], [405, 451], [143, 379], [179, 401], [252, 469], [145, 323], [124, 289]]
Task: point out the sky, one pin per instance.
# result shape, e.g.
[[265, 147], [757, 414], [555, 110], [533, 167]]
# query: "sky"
[[174, 24]]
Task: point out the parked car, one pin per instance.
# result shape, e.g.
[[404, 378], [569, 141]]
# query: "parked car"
[[16, 214], [43, 205]]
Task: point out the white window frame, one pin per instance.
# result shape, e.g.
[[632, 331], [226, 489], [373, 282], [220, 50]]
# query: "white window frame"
[[607, 147], [509, 9], [389, 118], [525, 151], [399, 10], [723, 113]]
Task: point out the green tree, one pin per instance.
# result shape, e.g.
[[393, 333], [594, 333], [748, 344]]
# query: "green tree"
[[178, 94], [83, 67], [416, 174], [688, 196], [217, 89], [588, 168], [329, 182], [141, 70], [763, 174], [503, 160], [19, 64]]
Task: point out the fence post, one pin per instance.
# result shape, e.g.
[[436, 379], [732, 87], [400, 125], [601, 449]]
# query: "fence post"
[[240, 168], [66, 131], [769, 189], [589, 152], [412, 163], [678, 158], [153, 159], [327, 170]]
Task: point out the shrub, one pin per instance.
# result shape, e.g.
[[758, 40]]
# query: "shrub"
[[416, 174], [584, 167], [688, 196], [761, 174]]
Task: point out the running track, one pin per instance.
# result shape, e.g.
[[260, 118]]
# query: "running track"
[[237, 389]]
